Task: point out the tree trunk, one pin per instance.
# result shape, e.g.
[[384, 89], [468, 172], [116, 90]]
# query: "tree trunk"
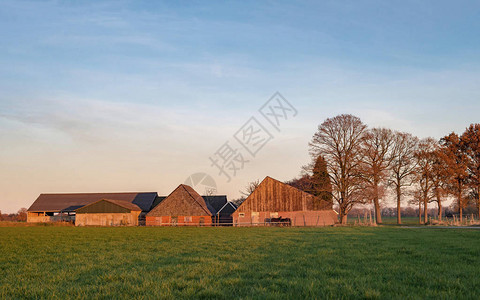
[[478, 202], [419, 212], [460, 211], [440, 212], [376, 203], [439, 201], [378, 213], [425, 216], [343, 217], [399, 209], [460, 204]]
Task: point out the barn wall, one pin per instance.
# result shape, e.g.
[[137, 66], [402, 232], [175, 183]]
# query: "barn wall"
[[36, 218], [107, 219], [298, 218], [273, 195], [179, 220], [33, 217]]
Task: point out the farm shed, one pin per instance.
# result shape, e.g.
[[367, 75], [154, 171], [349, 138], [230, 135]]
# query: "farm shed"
[[183, 207], [107, 212], [220, 208], [273, 200], [62, 207]]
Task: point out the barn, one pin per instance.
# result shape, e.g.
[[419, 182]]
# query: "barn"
[[107, 212], [221, 209], [183, 207], [63, 207], [275, 200]]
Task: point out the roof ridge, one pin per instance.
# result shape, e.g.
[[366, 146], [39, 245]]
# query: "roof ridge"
[[97, 193], [287, 185], [113, 201], [184, 187]]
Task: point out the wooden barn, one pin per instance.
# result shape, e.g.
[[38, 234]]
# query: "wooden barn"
[[276, 203], [107, 212], [63, 207], [183, 207]]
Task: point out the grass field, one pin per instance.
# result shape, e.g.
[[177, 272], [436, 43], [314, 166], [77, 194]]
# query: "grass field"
[[224, 263]]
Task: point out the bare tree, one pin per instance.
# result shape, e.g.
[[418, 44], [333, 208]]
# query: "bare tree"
[[339, 141], [403, 166], [376, 160], [425, 157], [251, 186]]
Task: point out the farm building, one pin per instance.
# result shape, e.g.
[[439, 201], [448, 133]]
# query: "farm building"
[[183, 207], [63, 207], [221, 209], [274, 200], [108, 212]]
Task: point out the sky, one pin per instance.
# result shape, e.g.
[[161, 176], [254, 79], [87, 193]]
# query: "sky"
[[114, 96]]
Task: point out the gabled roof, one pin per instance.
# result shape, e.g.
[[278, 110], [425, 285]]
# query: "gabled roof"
[[274, 195], [183, 201], [215, 203], [71, 202], [228, 209], [125, 204], [157, 201]]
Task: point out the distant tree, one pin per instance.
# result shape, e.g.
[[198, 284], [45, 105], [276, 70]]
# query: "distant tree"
[[470, 144], [425, 158], [303, 183], [22, 215], [251, 186], [238, 201], [339, 141], [456, 168], [376, 161], [403, 166], [439, 177]]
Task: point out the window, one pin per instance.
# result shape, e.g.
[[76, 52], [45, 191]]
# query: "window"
[[241, 215], [188, 219]]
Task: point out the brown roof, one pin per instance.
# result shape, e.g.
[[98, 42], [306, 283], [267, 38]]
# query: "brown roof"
[[183, 201], [71, 202], [125, 204]]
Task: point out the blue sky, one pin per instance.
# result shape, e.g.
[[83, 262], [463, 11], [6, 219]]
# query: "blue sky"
[[132, 95]]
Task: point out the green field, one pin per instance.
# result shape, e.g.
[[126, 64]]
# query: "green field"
[[224, 263]]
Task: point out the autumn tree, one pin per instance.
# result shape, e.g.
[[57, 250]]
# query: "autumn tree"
[[339, 141], [470, 144], [376, 155], [439, 177], [403, 166], [425, 157], [456, 167], [22, 215]]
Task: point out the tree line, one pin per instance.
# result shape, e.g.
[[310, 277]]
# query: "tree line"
[[20, 216], [353, 164]]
